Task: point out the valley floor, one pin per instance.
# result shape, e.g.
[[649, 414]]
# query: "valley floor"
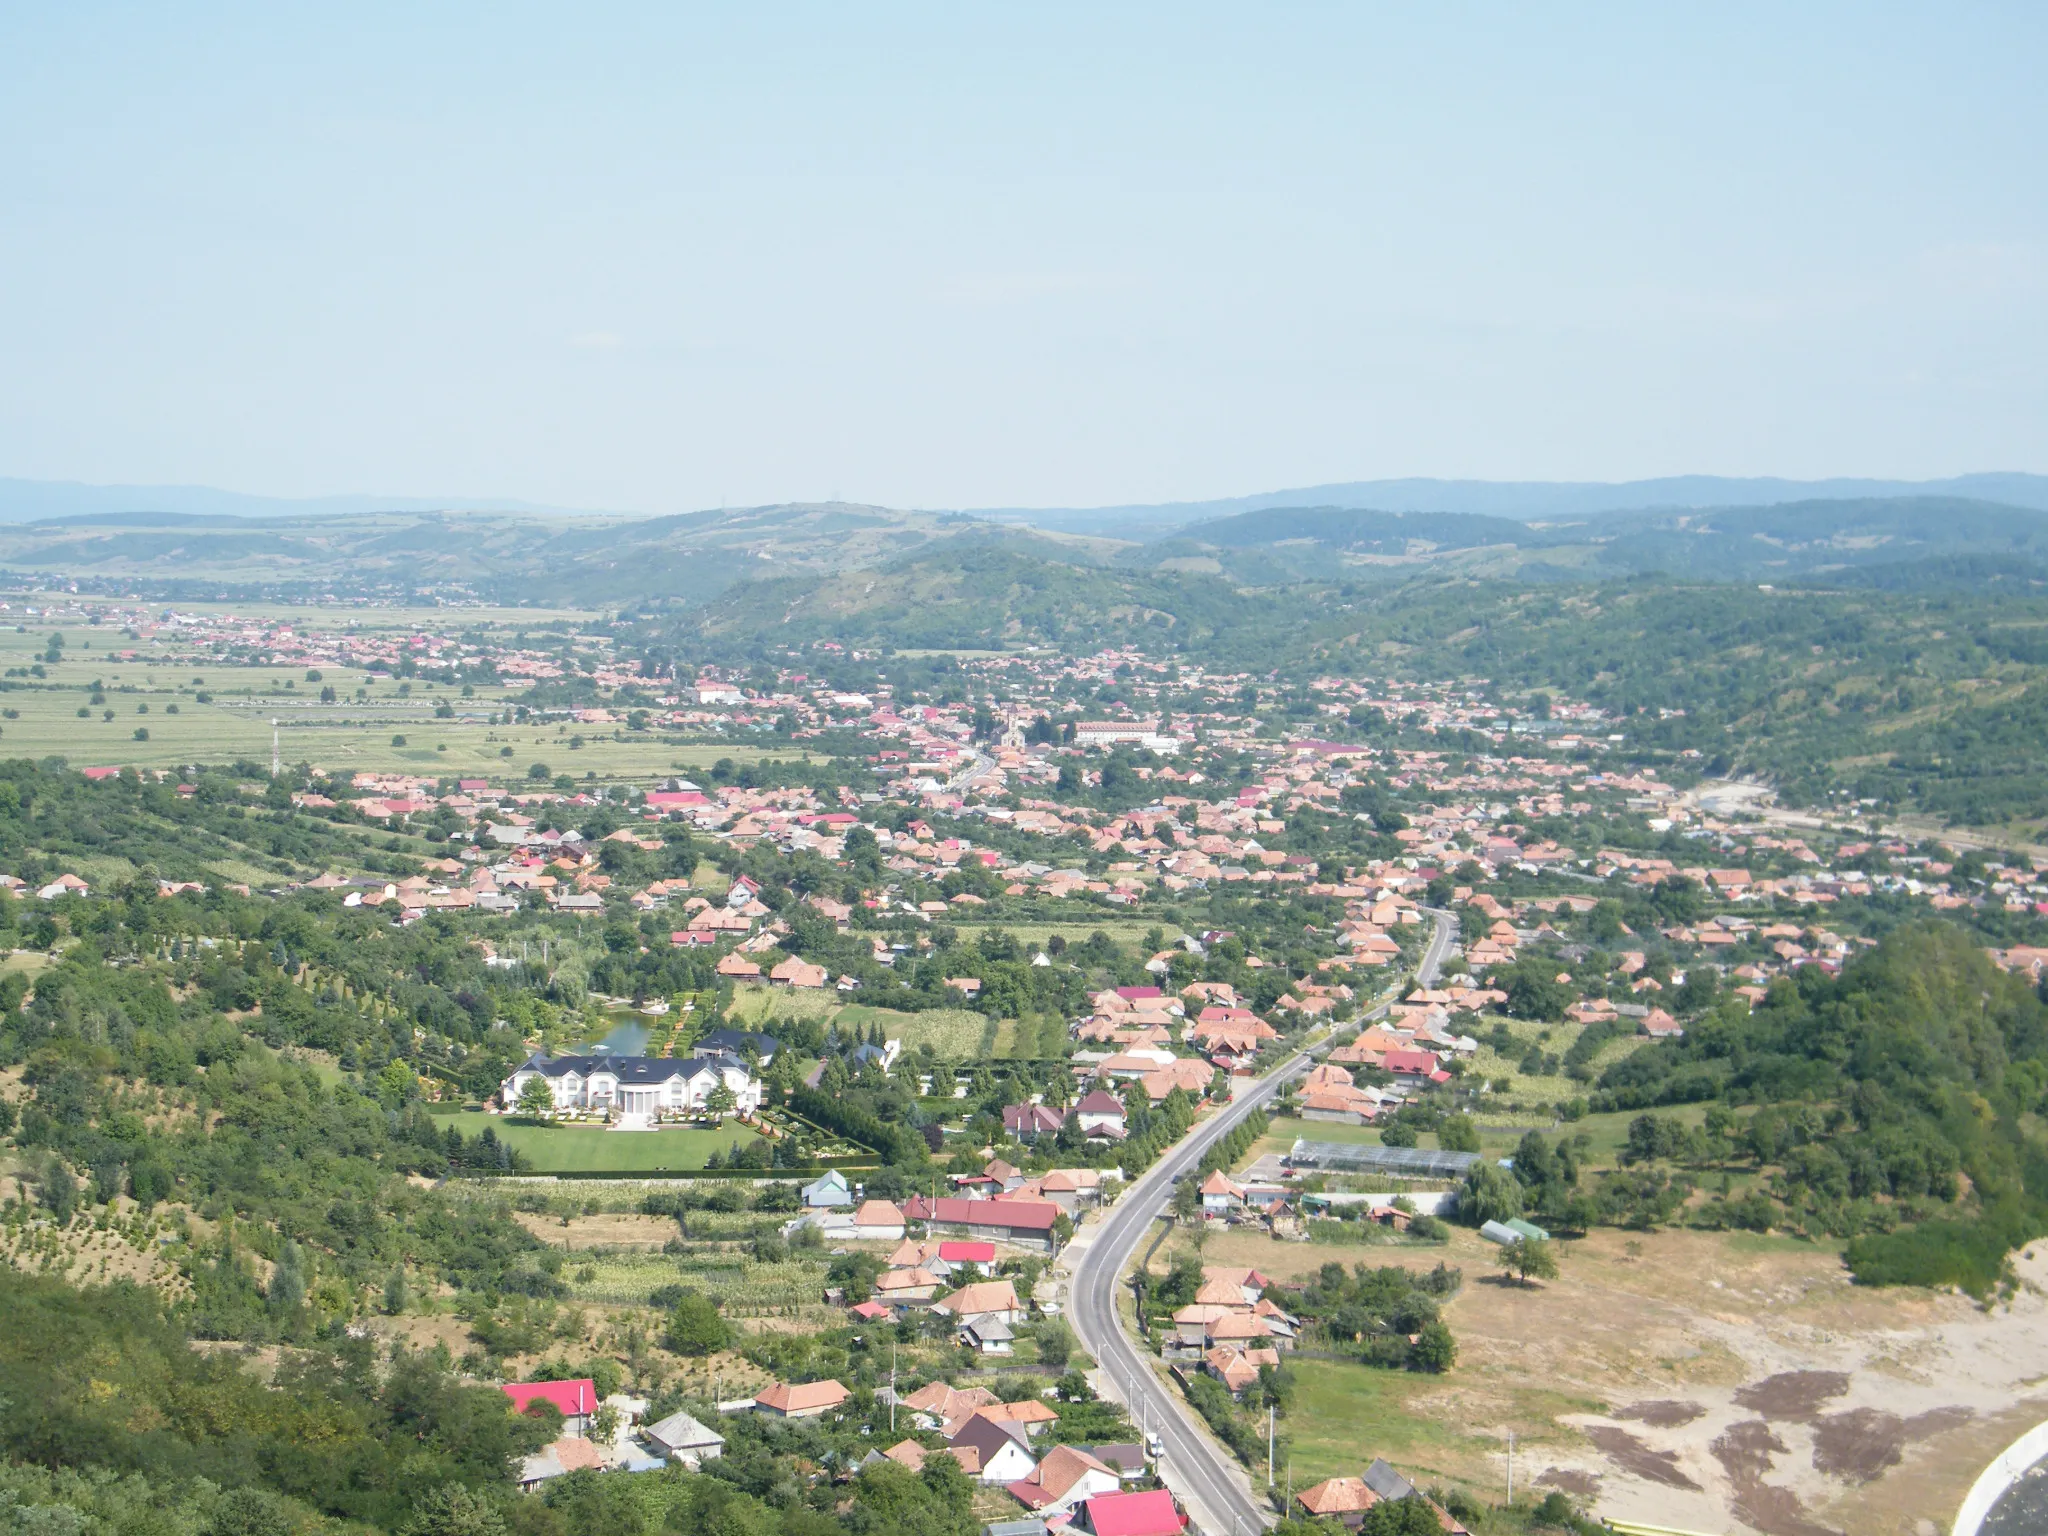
[[1697, 1380]]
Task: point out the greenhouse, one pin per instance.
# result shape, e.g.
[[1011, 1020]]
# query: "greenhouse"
[[1396, 1162]]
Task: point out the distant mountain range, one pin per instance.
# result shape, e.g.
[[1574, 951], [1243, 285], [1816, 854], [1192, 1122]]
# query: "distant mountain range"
[[30, 501], [1524, 500], [835, 559]]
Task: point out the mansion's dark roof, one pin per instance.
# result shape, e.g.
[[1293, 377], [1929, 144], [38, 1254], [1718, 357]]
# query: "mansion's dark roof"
[[631, 1069]]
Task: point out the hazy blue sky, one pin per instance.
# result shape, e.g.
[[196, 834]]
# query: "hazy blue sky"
[[665, 256]]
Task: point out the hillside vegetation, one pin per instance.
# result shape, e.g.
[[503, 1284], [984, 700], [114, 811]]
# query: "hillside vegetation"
[[1891, 1105]]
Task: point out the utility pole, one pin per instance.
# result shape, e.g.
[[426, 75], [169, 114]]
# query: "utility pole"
[[892, 1386], [276, 758], [1511, 1466], [1269, 1445]]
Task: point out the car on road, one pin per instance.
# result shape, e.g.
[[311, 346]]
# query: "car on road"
[[1154, 1446]]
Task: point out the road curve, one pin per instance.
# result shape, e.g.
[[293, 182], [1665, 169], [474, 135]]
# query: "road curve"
[[1193, 1466]]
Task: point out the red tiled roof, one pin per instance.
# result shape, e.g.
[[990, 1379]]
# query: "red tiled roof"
[[571, 1397], [1133, 1514]]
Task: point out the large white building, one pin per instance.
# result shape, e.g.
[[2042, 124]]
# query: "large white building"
[[1112, 733], [636, 1085]]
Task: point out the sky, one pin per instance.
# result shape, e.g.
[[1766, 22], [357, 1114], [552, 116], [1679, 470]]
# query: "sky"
[[665, 257]]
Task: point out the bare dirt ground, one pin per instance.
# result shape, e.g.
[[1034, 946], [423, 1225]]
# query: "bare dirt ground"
[[1751, 1385], [614, 1231], [1747, 1385]]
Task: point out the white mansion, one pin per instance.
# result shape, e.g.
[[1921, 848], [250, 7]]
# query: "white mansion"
[[636, 1085]]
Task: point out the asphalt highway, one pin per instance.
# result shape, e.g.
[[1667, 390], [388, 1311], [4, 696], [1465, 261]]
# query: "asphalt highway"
[[1193, 1466]]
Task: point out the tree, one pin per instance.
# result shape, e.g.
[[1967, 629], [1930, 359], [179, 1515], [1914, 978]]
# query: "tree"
[[1535, 993], [1187, 1201], [536, 1098], [57, 1190], [1489, 1193], [1055, 1343], [1434, 1349], [1532, 1259], [1412, 1516], [721, 1101], [695, 1328], [1458, 1134], [454, 1510]]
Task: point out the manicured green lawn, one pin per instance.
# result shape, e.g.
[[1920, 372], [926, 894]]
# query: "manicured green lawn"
[[1319, 1130], [564, 1149]]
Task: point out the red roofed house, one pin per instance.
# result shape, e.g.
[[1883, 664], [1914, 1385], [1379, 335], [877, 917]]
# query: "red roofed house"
[[1028, 1122], [1027, 1223], [799, 973], [559, 1460], [805, 1400], [1131, 1514], [1066, 1477], [1413, 1065], [985, 1298], [576, 1400], [1339, 1498]]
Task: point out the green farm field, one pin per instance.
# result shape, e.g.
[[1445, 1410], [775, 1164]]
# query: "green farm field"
[[958, 1033], [567, 1149], [158, 693]]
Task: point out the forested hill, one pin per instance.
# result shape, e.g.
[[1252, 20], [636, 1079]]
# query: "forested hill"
[[1896, 1105], [1820, 541], [1930, 702]]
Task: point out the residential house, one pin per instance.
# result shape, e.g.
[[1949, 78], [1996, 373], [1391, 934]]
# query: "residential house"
[[988, 1335], [1072, 1189], [685, 1440], [738, 1042], [575, 1400], [803, 1400], [1023, 1223], [995, 1299], [1221, 1194], [878, 1221], [1101, 1114], [1151, 1513], [955, 1256], [827, 1190], [559, 1460], [800, 974], [1000, 1450], [1064, 1478], [1028, 1122], [1238, 1368], [906, 1287], [939, 1406], [635, 1085], [1345, 1499]]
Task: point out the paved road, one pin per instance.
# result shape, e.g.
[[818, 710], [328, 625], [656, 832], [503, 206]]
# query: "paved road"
[[1193, 1466]]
